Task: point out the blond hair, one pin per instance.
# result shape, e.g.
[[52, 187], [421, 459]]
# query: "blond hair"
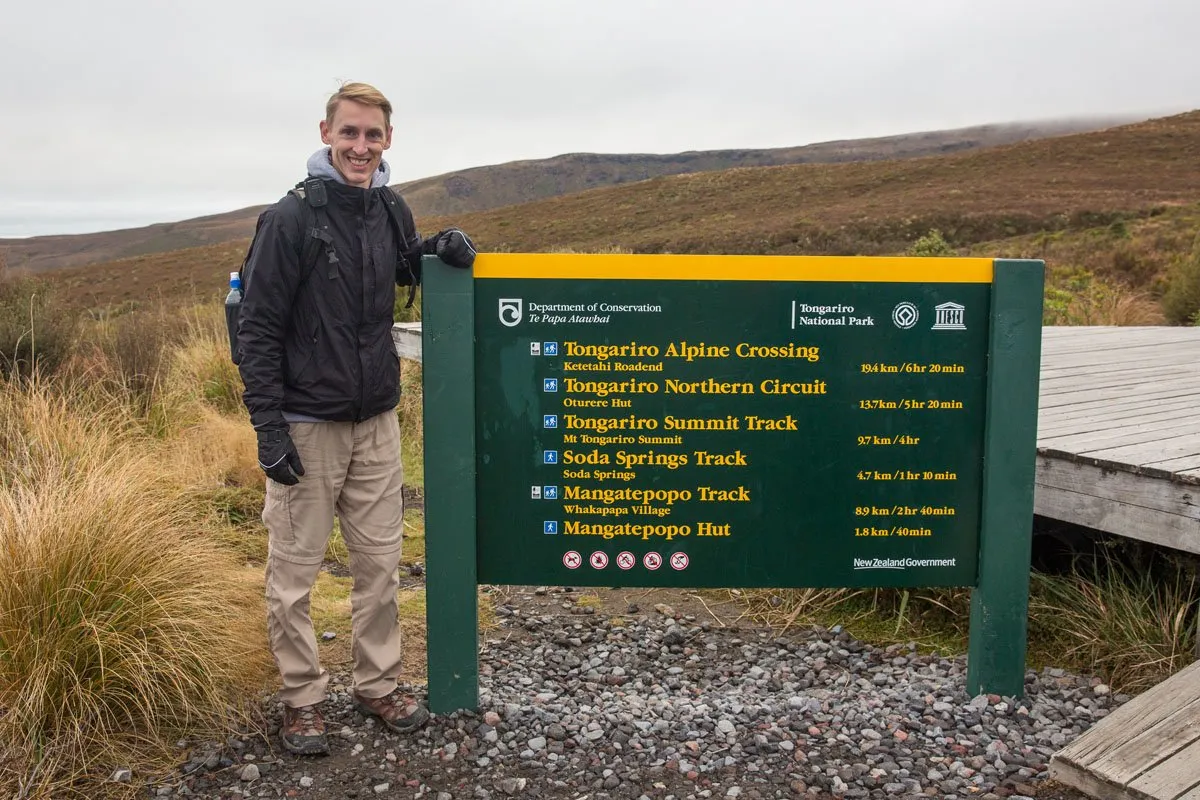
[[363, 93]]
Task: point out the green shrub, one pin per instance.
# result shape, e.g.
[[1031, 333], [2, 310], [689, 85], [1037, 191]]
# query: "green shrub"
[[1181, 300], [931, 244], [36, 334]]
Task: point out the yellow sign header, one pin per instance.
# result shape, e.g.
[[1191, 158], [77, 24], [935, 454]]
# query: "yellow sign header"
[[604, 266]]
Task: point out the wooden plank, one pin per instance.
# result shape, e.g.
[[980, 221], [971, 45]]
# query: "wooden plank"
[[1176, 387], [1150, 748], [1121, 487], [1076, 339], [1132, 522], [407, 338], [1125, 435], [1108, 352], [1172, 777], [1048, 418], [1116, 361], [1128, 419], [1066, 772], [1115, 409], [1123, 376], [1176, 465], [1147, 394], [1140, 454], [1132, 719]]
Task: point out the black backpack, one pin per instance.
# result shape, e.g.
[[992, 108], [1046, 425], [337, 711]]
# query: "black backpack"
[[311, 193]]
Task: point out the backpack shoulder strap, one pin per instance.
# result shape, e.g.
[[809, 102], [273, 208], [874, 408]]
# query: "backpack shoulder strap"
[[311, 193], [402, 223]]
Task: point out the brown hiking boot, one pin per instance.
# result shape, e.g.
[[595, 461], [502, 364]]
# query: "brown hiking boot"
[[303, 731], [399, 712]]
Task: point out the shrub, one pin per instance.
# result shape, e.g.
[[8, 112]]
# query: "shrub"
[[1181, 299], [1078, 297], [930, 245], [36, 334], [131, 357]]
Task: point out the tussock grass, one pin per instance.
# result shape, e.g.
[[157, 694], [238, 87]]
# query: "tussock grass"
[[123, 622], [200, 370], [1132, 625]]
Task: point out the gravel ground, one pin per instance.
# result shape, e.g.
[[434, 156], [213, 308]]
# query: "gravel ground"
[[577, 704]]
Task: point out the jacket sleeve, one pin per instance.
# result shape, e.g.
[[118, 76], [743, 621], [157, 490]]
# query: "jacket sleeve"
[[272, 279]]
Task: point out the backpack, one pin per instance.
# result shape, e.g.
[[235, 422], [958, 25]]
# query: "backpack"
[[311, 193]]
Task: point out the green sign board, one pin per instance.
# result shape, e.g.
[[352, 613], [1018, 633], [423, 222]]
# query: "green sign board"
[[729, 421]]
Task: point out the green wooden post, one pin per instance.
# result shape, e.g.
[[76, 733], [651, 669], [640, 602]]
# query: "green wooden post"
[[452, 614], [1000, 601]]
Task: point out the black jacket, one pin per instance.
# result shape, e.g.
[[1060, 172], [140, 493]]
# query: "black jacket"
[[319, 342]]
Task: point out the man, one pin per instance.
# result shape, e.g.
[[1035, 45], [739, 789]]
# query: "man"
[[322, 382]]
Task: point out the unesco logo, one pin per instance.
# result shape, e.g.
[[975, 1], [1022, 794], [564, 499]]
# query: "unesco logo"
[[510, 311], [905, 315]]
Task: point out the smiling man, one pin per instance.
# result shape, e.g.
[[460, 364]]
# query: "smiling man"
[[322, 381]]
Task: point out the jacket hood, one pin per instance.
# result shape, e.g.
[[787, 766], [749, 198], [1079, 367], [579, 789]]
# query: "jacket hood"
[[320, 165]]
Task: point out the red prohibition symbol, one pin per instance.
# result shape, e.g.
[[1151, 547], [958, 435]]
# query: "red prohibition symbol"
[[572, 560], [679, 560], [599, 559], [652, 560], [626, 559]]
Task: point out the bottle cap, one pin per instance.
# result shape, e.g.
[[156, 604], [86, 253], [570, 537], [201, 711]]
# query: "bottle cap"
[[233, 276]]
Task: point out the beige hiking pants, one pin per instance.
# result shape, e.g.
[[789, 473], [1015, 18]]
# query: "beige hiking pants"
[[352, 470]]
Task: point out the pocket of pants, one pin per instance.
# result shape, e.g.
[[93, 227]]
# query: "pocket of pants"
[[299, 520], [277, 514]]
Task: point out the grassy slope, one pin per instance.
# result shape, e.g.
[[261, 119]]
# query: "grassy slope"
[[1121, 202], [483, 188]]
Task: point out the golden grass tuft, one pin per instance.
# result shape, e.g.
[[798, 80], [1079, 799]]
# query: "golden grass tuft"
[[123, 625]]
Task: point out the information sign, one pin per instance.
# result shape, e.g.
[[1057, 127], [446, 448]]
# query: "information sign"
[[730, 421]]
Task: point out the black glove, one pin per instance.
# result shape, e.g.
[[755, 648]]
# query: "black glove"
[[455, 248], [278, 457]]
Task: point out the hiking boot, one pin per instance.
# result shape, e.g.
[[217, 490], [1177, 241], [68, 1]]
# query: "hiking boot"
[[399, 712], [303, 731]]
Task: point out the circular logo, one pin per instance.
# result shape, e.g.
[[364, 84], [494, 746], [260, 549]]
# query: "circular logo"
[[572, 560], [626, 559], [905, 315], [652, 560], [599, 559], [679, 561]]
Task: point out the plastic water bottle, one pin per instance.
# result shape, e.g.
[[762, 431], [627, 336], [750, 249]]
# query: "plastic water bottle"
[[233, 305]]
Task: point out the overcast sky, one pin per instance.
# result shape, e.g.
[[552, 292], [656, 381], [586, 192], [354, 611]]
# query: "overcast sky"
[[126, 112]]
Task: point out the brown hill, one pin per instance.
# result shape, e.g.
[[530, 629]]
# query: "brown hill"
[[1054, 187], [870, 207], [484, 188]]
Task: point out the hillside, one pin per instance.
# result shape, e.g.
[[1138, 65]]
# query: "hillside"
[[519, 182], [1084, 197], [485, 188]]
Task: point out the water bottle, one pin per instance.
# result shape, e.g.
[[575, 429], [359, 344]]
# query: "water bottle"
[[233, 305]]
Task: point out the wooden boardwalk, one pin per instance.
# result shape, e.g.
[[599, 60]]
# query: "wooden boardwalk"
[[1119, 432], [1148, 749]]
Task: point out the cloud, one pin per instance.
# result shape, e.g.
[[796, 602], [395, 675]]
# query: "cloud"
[[153, 111]]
